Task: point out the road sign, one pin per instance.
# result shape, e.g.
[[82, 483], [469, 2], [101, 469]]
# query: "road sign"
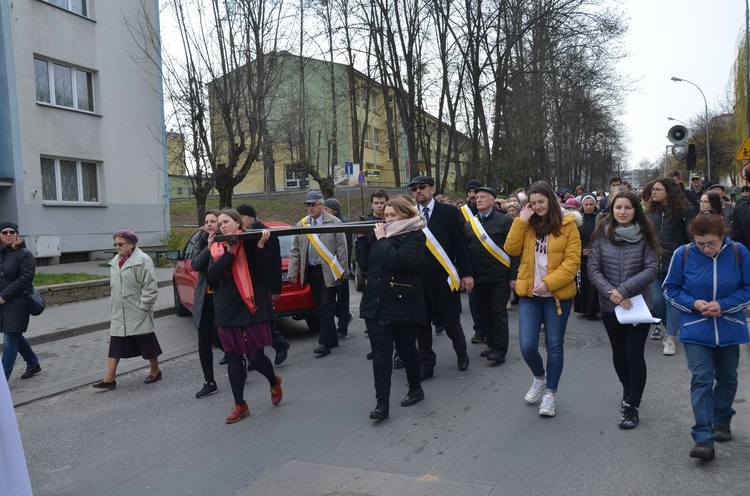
[[348, 168], [744, 153], [361, 178]]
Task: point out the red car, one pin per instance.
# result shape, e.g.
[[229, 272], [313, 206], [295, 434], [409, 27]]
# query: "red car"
[[295, 301]]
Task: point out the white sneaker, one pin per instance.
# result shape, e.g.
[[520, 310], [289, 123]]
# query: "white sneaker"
[[536, 390], [547, 408], [656, 333], [669, 348]]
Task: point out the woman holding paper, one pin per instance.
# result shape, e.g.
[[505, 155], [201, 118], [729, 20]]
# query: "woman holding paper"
[[623, 262]]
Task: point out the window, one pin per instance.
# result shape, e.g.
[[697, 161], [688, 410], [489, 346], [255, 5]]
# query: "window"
[[293, 177], [79, 7], [64, 86], [69, 181]]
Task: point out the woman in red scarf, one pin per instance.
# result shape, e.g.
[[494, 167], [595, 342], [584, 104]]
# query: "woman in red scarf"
[[238, 273]]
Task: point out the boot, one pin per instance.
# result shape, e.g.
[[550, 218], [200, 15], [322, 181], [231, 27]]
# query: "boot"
[[414, 396], [381, 410]]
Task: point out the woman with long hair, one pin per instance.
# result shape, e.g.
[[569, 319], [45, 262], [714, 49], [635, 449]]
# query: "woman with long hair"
[[671, 214], [587, 299], [550, 249], [709, 285], [623, 263], [238, 274], [711, 202], [393, 300]]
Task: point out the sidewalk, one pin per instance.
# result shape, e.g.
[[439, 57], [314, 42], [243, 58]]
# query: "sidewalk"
[[71, 340]]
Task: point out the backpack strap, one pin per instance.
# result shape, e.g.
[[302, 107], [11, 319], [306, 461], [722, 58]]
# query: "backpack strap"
[[685, 253], [736, 253]]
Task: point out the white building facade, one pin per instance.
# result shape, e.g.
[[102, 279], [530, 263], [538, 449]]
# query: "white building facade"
[[82, 139]]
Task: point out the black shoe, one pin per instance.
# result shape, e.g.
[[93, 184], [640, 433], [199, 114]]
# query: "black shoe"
[[478, 338], [722, 433], [703, 451], [397, 362], [486, 352], [381, 410], [426, 373], [208, 389], [629, 417], [496, 356], [30, 372], [322, 350], [223, 361], [414, 396], [463, 362], [439, 329], [369, 356], [281, 354]]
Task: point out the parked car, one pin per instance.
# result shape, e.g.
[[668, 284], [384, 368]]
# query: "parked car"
[[296, 301]]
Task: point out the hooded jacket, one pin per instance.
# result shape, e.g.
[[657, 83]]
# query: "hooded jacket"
[[719, 279], [17, 268]]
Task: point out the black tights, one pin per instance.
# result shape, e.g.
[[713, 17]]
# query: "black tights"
[[236, 373], [628, 344]]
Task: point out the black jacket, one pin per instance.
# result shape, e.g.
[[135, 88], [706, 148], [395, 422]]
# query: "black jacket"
[[273, 253], [672, 233], [231, 311], [487, 269], [17, 268], [394, 289], [199, 263], [741, 223]]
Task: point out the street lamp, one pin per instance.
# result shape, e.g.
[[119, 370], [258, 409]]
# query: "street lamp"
[[705, 104], [676, 120]]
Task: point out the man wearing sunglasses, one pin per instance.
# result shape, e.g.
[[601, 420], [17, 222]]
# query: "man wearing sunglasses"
[[443, 304]]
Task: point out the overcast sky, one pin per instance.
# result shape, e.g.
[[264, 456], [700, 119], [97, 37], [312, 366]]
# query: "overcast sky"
[[689, 39]]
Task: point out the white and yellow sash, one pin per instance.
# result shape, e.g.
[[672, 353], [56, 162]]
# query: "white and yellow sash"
[[466, 211], [487, 242], [324, 252], [439, 253]]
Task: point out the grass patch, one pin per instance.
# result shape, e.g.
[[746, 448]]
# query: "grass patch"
[[50, 279]]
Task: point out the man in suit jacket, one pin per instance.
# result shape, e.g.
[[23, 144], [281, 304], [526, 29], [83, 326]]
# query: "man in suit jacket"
[[442, 305], [307, 265]]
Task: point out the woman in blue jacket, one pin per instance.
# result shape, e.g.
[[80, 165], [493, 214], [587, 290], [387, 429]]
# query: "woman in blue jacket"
[[710, 286]]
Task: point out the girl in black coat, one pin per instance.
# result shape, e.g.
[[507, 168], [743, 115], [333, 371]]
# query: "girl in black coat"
[[238, 274], [393, 300], [17, 268], [587, 299]]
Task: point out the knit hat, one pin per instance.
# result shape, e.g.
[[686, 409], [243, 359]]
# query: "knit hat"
[[512, 204], [333, 204], [7, 224], [473, 184], [572, 203], [248, 210], [127, 234]]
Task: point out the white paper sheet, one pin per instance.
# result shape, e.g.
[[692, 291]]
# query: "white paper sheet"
[[639, 314]]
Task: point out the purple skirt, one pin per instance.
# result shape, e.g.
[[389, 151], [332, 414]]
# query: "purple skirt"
[[242, 340], [145, 345]]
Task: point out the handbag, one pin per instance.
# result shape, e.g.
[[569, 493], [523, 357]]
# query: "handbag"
[[36, 301]]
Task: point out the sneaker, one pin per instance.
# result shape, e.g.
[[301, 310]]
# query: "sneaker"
[[209, 388], [547, 408], [656, 333], [536, 390], [439, 329], [629, 417], [669, 348], [276, 392], [397, 362], [238, 413], [722, 433], [486, 352], [702, 451], [478, 338]]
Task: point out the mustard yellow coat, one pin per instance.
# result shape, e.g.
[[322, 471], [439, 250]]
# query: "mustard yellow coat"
[[563, 257]]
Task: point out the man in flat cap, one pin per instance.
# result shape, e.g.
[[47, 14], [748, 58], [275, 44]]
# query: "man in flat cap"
[[493, 270], [320, 260], [442, 295]]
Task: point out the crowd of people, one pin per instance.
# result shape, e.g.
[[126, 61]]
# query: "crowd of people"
[[683, 251]]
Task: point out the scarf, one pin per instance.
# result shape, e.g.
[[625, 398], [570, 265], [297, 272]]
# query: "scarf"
[[240, 271], [403, 226], [629, 234], [124, 258]]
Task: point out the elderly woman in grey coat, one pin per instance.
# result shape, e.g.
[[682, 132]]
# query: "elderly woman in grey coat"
[[623, 262], [133, 289]]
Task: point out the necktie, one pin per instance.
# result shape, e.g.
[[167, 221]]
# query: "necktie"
[[313, 258], [426, 213]]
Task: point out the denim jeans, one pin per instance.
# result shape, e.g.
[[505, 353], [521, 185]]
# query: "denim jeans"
[[669, 315], [712, 387], [13, 344], [531, 313], [476, 314]]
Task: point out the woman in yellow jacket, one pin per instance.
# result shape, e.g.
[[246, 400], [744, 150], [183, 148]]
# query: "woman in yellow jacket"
[[549, 245]]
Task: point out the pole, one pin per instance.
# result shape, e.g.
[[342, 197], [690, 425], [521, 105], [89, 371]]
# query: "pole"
[[747, 68], [705, 105], [666, 159]]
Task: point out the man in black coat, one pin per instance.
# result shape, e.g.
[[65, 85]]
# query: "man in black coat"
[[442, 304], [343, 315], [492, 283], [250, 221]]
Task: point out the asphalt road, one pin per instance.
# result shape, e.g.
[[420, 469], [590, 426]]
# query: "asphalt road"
[[473, 435]]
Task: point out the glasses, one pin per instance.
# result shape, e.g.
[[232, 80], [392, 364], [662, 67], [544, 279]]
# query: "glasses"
[[710, 244], [116, 245], [7, 233], [419, 187]]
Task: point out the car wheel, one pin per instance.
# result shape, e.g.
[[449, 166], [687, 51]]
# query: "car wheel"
[[313, 323], [179, 309]]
